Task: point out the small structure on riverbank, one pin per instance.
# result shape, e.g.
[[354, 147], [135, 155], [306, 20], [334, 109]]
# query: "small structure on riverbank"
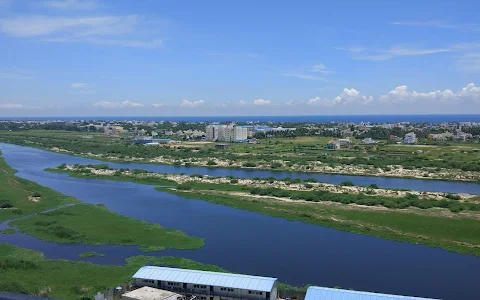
[[207, 285], [318, 293], [221, 146]]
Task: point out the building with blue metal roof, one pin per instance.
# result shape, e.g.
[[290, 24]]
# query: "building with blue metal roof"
[[322, 293], [208, 285]]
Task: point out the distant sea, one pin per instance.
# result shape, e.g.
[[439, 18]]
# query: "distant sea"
[[332, 118]]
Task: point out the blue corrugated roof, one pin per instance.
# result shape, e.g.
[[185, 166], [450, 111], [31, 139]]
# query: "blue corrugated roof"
[[235, 281], [317, 293]]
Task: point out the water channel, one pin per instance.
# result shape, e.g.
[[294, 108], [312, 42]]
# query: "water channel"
[[251, 243]]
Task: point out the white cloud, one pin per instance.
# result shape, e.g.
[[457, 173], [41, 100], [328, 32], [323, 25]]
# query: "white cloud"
[[11, 105], [440, 24], [321, 68], [353, 49], [157, 105], [321, 101], [261, 102], [470, 92], [123, 104], [303, 76], [379, 54], [348, 96], [186, 103], [401, 95], [16, 73], [242, 102], [81, 85], [39, 25], [469, 63], [152, 44], [72, 4]]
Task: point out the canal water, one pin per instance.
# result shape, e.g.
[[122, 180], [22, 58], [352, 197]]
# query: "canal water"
[[251, 243]]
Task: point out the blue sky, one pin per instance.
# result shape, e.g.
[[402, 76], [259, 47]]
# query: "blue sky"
[[179, 57]]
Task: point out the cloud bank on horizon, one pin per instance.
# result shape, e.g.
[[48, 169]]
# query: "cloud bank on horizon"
[[88, 57]]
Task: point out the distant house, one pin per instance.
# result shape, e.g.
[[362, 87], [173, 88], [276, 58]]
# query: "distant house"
[[368, 141], [333, 145], [221, 146], [410, 138]]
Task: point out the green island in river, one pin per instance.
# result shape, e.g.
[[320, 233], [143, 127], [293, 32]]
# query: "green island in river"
[[449, 221]]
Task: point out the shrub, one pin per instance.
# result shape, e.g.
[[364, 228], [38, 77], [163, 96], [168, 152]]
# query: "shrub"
[[233, 181], [249, 164], [308, 185], [373, 186], [347, 183], [5, 204], [45, 222], [276, 165], [185, 186], [453, 197], [211, 163]]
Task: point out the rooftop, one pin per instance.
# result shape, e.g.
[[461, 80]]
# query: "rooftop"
[[235, 281], [148, 293], [317, 293]]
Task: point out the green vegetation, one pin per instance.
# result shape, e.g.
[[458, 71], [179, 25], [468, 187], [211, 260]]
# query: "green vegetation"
[[459, 234], [347, 183], [83, 172], [443, 161], [28, 272], [7, 231], [90, 254], [20, 197], [95, 224]]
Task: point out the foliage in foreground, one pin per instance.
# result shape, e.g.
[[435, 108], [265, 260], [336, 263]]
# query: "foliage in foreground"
[[95, 224], [15, 193]]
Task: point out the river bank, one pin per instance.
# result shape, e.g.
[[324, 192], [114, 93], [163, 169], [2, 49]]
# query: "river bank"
[[274, 155], [407, 216]]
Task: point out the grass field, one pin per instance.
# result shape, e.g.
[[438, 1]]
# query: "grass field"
[[20, 197], [28, 272], [95, 224]]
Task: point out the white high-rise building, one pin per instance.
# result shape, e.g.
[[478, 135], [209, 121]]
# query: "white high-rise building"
[[225, 133]]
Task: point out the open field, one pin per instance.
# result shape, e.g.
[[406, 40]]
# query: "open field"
[[20, 197], [458, 161], [95, 224], [28, 272], [449, 222]]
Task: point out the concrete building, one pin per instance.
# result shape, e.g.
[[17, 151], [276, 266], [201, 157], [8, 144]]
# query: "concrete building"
[[320, 293], [208, 285], [225, 133], [410, 138], [368, 141]]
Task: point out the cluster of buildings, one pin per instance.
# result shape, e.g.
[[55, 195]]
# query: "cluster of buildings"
[[162, 283]]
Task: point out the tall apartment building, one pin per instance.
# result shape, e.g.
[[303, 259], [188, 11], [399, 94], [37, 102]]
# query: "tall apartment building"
[[225, 133]]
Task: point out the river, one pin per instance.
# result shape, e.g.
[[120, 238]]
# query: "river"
[[251, 243]]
